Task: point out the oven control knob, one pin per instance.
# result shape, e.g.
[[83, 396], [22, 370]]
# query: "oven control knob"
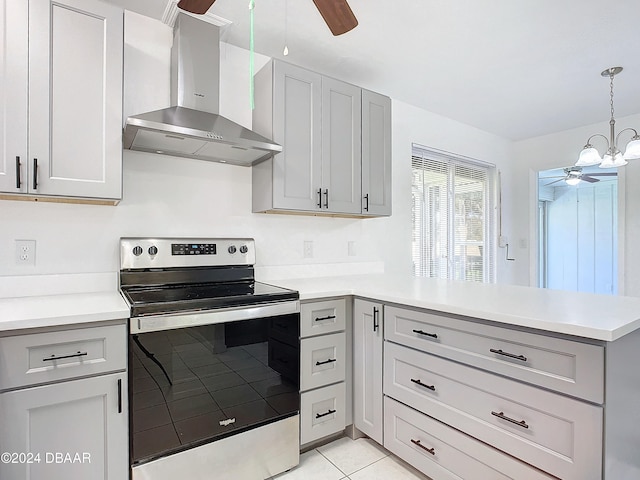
[[232, 249], [244, 249], [153, 250], [137, 251]]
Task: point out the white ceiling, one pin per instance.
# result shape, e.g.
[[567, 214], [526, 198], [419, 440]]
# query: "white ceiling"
[[515, 68]]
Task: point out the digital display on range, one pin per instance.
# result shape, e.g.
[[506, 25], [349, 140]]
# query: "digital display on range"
[[193, 249]]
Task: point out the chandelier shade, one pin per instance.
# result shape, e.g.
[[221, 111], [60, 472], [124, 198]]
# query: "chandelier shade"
[[613, 157]]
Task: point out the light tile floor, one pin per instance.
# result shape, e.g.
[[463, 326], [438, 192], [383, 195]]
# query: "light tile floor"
[[346, 459]]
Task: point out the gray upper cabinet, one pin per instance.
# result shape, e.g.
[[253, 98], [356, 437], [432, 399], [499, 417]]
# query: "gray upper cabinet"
[[288, 110], [319, 122], [376, 154], [341, 150], [74, 117]]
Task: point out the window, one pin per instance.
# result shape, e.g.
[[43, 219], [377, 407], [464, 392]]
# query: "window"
[[453, 216]]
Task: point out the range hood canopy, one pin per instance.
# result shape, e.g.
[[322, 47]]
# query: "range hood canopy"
[[193, 128]]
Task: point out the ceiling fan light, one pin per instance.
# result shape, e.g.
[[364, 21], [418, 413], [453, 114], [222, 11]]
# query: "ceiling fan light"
[[632, 152], [588, 156], [572, 180]]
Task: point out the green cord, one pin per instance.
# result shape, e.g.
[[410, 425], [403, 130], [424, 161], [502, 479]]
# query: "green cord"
[[251, 99]]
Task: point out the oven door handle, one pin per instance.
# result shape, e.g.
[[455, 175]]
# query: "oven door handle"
[[157, 323]]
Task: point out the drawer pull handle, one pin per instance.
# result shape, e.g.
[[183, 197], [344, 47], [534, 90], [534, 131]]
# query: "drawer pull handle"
[[328, 412], [326, 361], [420, 332], [53, 357], [431, 450], [501, 415], [119, 395], [328, 317], [507, 354], [376, 323], [430, 387]]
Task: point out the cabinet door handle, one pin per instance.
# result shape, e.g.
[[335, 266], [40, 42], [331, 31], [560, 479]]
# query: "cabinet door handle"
[[18, 179], [119, 395], [53, 357], [431, 450], [430, 387], [420, 332], [375, 319], [326, 198], [501, 415], [366, 202], [328, 317], [326, 361], [319, 198], [507, 354], [328, 412], [35, 173]]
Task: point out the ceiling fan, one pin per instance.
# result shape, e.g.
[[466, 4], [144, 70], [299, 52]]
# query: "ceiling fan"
[[336, 13], [574, 175]]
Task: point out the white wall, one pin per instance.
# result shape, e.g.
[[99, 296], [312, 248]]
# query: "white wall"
[[169, 196], [560, 150]]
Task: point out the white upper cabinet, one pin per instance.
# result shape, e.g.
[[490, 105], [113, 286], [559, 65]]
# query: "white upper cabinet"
[[376, 154], [319, 123], [74, 115]]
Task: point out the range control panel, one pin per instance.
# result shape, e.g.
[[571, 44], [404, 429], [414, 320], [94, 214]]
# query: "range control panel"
[[185, 252]]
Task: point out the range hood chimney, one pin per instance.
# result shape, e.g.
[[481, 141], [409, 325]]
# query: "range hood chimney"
[[192, 128]]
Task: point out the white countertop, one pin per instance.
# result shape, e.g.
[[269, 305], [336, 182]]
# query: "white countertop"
[[599, 317], [54, 300], [58, 300]]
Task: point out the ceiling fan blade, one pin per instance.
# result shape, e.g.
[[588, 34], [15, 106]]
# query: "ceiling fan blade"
[[589, 179], [195, 6], [604, 174], [555, 181], [337, 14]]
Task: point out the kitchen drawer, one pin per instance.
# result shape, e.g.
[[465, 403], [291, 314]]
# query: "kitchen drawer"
[[444, 453], [318, 318], [47, 357], [322, 360], [566, 366], [322, 412], [555, 433]]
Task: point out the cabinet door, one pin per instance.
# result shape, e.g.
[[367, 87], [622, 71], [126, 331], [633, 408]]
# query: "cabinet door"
[[78, 429], [376, 154], [13, 94], [341, 147], [75, 98], [367, 368], [296, 126]]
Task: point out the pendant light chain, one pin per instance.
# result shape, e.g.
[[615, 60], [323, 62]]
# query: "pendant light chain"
[[611, 94]]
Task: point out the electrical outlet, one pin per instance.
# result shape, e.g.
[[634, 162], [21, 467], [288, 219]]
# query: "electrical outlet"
[[502, 241], [26, 252], [308, 249], [351, 248]]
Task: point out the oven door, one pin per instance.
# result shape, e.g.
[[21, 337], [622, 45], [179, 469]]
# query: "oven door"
[[194, 385]]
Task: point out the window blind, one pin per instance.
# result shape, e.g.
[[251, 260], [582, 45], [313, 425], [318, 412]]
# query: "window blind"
[[452, 215]]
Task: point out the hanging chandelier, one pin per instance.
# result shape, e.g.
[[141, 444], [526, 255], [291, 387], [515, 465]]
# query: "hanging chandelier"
[[612, 157]]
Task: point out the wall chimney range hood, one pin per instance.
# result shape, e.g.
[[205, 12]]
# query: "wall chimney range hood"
[[192, 128]]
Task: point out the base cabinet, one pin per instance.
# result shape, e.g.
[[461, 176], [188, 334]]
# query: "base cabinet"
[[367, 368], [73, 430], [323, 369]]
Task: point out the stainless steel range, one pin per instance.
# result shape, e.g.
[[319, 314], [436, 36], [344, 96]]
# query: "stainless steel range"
[[213, 361]]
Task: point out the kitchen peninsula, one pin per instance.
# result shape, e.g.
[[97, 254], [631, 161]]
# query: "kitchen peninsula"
[[555, 370]]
